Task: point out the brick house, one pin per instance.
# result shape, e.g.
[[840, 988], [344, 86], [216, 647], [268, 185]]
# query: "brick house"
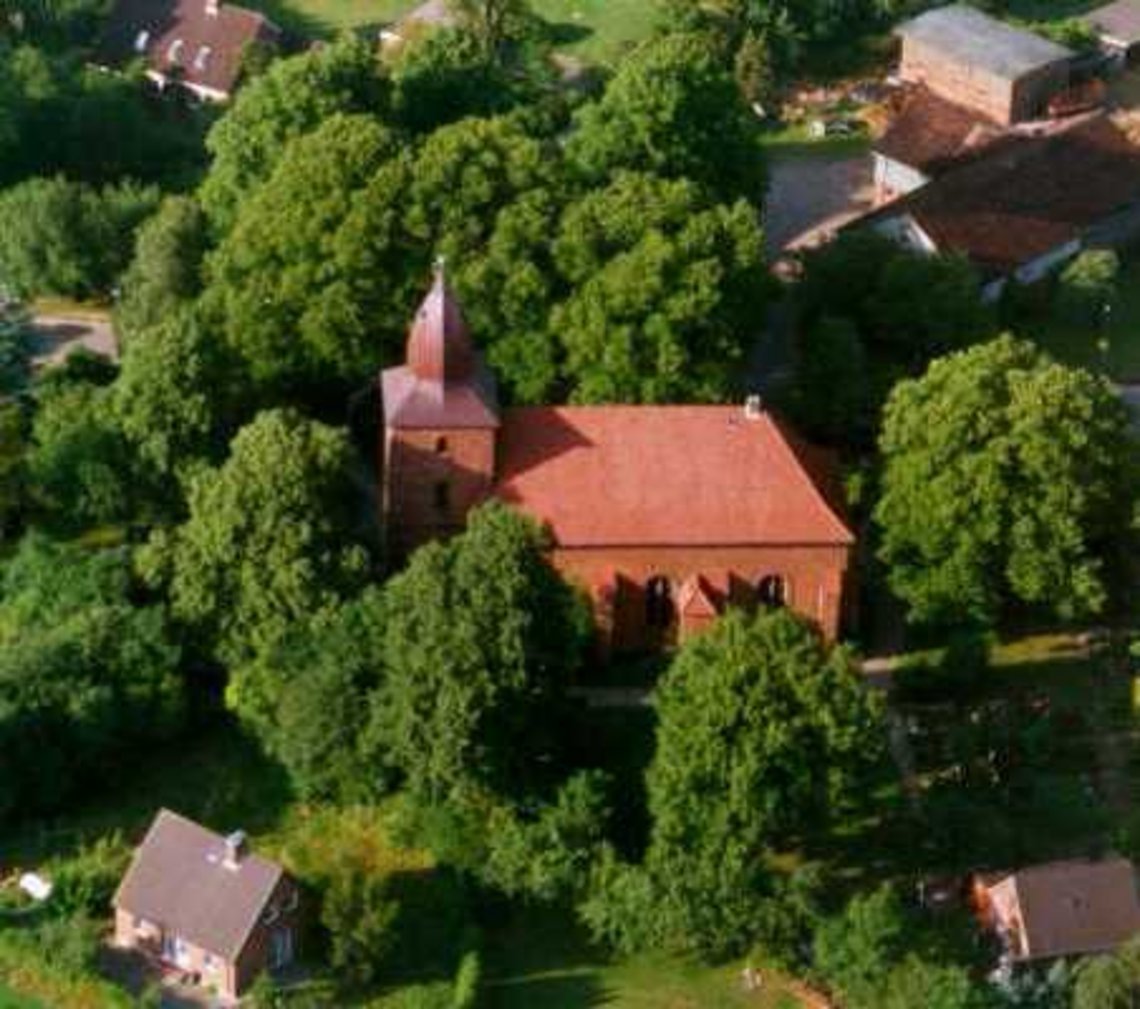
[[663, 514], [204, 905], [1060, 909], [196, 44]]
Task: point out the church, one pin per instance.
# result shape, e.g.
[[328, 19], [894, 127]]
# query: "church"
[[664, 515]]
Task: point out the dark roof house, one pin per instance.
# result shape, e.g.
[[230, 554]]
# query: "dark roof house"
[[1061, 909], [205, 904], [198, 44], [1117, 25]]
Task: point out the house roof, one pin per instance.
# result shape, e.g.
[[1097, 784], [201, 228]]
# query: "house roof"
[[1118, 21], [178, 880], [1074, 907], [1026, 194], [930, 133], [184, 37], [967, 36], [666, 476]]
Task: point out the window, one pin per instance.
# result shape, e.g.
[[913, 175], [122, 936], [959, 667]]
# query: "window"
[[142, 40], [201, 58], [442, 496], [174, 53], [441, 445], [772, 592], [658, 602]]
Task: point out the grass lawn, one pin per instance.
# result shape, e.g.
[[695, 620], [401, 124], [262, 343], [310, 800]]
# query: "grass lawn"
[[1081, 344], [10, 1000]]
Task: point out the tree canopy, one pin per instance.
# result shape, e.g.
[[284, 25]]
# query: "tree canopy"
[[1007, 478]]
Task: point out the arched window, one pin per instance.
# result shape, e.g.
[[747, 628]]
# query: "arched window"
[[442, 496], [441, 445], [772, 592], [658, 602]]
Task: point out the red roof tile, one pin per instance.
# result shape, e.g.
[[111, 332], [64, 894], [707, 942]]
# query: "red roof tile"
[[184, 39], [664, 476], [930, 133]]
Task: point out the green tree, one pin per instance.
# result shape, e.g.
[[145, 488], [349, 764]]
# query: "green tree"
[[1111, 981], [359, 914], [480, 636], [165, 273], [666, 290], [673, 109], [289, 304], [1088, 286], [763, 732], [13, 448], [63, 238], [494, 23], [291, 98], [856, 950], [834, 401], [1007, 477], [86, 676], [15, 348], [178, 393], [269, 541]]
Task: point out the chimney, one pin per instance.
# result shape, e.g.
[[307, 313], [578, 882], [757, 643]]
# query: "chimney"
[[211, 8], [753, 408], [235, 849]]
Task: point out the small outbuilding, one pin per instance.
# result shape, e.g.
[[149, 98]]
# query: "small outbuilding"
[[1117, 27], [203, 905], [1060, 909], [1004, 73]]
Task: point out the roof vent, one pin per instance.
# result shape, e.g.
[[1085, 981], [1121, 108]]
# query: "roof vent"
[[236, 849], [753, 408]]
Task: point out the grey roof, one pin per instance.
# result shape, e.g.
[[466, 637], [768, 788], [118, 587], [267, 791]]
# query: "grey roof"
[[178, 880], [1119, 21], [975, 39]]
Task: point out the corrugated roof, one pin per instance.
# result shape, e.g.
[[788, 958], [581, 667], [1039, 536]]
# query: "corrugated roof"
[[1074, 907], [666, 476], [178, 880], [1119, 21], [970, 37], [1025, 195]]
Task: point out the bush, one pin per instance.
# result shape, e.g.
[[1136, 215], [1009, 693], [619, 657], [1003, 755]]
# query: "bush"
[[1087, 287], [85, 884], [70, 944]]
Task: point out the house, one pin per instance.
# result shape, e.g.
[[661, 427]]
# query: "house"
[[971, 59], [663, 514], [204, 905], [1060, 909], [196, 44], [1117, 27], [1026, 201]]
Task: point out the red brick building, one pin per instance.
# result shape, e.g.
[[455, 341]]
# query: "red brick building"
[[664, 514]]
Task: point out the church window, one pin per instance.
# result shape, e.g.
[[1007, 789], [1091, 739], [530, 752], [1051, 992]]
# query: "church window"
[[441, 445], [772, 592], [443, 496], [658, 602]]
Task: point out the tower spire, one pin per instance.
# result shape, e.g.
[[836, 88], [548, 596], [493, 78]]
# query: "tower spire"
[[439, 345]]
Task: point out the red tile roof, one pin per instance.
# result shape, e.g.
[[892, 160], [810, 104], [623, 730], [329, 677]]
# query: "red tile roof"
[[930, 133], [184, 39], [665, 476], [1026, 195]]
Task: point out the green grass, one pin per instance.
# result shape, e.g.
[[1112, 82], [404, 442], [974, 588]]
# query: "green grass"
[[327, 18], [1082, 344], [11, 1000]]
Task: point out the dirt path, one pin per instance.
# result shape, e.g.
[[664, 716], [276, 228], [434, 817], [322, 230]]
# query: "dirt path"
[[56, 336]]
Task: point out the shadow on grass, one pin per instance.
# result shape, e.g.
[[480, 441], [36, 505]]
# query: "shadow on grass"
[[566, 33]]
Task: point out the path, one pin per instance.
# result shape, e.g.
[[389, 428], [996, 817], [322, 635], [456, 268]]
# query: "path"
[[56, 336]]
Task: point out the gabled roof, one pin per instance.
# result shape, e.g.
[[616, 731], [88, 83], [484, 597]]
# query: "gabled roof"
[[189, 39], [967, 36], [697, 598], [666, 476], [1026, 194], [178, 879], [1118, 22], [931, 133], [1067, 908]]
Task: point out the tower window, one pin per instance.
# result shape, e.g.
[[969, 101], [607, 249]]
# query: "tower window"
[[772, 592], [443, 496], [658, 602], [441, 445]]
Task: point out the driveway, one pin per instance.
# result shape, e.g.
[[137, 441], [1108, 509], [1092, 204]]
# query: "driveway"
[[56, 336], [810, 196]]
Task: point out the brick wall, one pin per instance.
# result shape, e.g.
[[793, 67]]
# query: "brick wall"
[[957, 82]]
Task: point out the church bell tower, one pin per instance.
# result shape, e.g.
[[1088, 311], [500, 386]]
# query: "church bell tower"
[[441, 419]]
